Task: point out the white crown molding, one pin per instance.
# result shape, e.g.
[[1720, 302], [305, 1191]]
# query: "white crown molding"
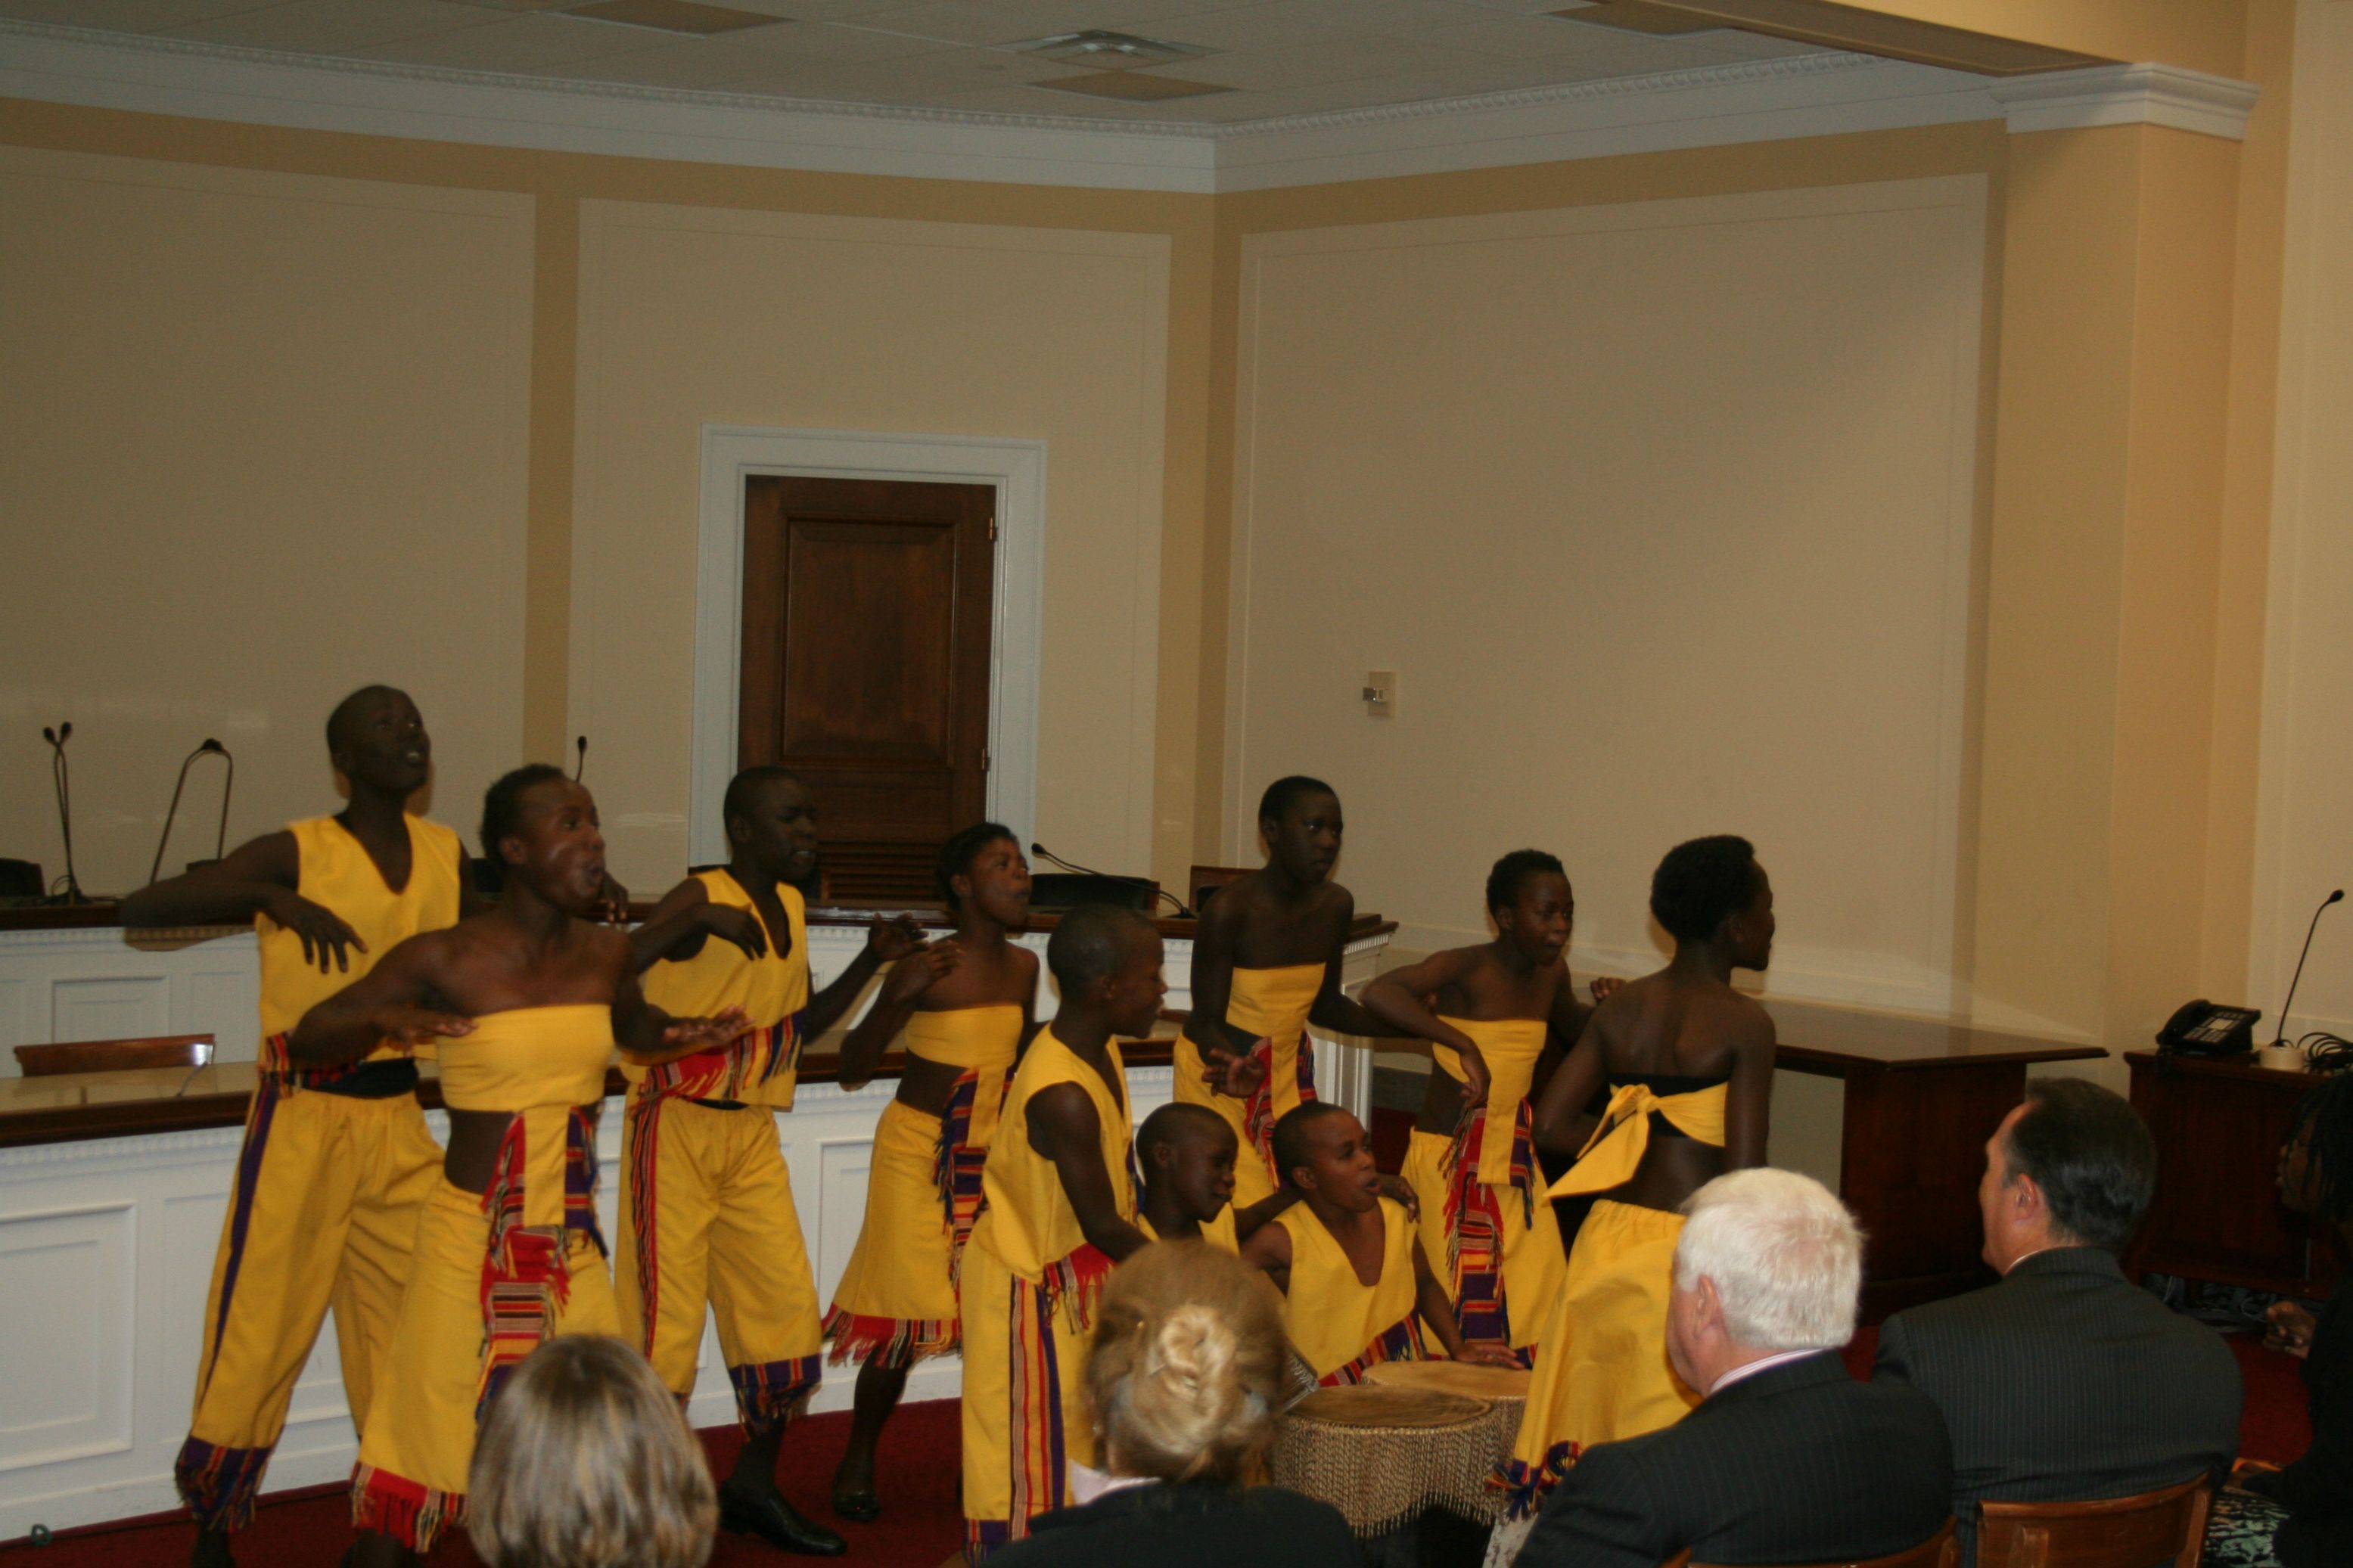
[[1752, 101], [2128, 95]]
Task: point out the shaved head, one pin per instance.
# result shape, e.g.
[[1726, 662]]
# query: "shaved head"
[[343, 721]]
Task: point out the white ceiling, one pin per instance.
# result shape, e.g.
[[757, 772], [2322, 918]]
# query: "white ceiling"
[[1280, 57]]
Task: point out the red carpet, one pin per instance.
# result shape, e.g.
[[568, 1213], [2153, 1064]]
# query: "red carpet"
[[919, 1528]]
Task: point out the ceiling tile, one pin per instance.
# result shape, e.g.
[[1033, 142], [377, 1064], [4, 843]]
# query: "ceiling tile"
[[122, 16], [335, 26], [831, 41], [518, 44]]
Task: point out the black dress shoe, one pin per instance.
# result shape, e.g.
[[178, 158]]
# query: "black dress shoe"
[[861, 1506], [212, 1551], [767, 1515]]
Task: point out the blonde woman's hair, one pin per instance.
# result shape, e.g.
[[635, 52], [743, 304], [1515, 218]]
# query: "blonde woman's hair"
[[1187, 1366], [585, 1461]]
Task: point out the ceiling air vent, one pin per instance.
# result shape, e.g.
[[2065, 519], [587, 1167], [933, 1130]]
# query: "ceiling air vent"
[[1107, 51]]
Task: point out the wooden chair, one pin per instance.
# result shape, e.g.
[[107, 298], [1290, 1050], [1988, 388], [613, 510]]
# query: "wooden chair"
[[1941, 1550], [2166, 1526], [116, 1056]]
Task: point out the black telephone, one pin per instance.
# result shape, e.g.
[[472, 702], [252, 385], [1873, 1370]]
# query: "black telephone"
[[2201, 1028]]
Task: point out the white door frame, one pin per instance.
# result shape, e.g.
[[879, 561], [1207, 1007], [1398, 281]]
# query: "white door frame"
[[1016, 470]]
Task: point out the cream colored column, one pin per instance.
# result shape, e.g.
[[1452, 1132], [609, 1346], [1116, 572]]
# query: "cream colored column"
[[2100, 623]]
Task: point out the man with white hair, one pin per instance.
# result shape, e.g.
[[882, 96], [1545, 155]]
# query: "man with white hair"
[[1786, 1459]]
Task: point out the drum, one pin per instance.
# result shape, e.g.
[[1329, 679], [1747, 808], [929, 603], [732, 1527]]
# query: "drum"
[[1385, 1455]]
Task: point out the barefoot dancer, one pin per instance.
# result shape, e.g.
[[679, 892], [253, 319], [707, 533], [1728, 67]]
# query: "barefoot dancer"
[[527, 1003], [964, 1006]]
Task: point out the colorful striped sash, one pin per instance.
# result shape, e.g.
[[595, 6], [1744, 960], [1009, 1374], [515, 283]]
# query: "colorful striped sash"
[[1401, 1340], [525, 1276], [731, 1071], [958, 1165], [1474, 1221]]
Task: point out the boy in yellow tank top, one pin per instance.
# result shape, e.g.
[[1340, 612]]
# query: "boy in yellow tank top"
[[1059, 1211], [1186, 1156], [1266, 963], [337, 1160], [1485, 1220], [526, 1003], [1357, 1289], [708, 1221]]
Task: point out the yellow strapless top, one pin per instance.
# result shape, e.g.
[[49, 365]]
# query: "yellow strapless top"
[[982, 1041], [1272, 1004], [1333, 1316], [1611, 1155], [1511, 1046], [1029, 1223], [762, 1066], [537, 1063], [1219, 1232]]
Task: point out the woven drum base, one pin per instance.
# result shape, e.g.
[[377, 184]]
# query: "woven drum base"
[[1382, 1456]]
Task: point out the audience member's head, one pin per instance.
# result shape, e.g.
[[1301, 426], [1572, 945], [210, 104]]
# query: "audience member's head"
[[2316, 1163], [1768, 1261], [585, 1461], [1187, 1368], [1712, 891], [2073, 1166]]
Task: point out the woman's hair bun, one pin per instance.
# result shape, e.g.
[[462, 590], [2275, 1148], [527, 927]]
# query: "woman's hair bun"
[[1187, 1363]]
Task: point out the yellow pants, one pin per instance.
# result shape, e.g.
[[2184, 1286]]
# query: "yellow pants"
[[420, 1439], [1025, 1416], [323, 1213], [1534, 1266], [897, 1299], [1601, 1370], [708, 1224]]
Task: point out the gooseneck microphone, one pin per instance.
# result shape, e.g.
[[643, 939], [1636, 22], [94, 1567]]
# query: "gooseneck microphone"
[[580, 762], [210, 748], [61, 777], [2281, 1039], [1043, 853]]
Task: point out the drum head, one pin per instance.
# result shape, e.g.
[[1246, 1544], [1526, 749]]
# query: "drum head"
[[1365, 1406], [1481, 1382]]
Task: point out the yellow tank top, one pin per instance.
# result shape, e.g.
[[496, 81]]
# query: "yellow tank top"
[[982, 1041], [537, 1063], [1332, 1316], [1511, 1046], [335, 872], [1029, 1223], [1611, 1155], [1272, 1004], [1219, 1232], [763, 1065]]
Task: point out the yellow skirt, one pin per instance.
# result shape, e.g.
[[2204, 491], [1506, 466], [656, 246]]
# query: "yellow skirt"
[[1534, 1266], [410, 1483], [897, 1299], [1025, 1416], [1601, 1370]]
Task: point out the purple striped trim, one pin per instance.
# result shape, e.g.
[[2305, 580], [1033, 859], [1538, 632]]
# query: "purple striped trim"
[[258, 1118], [768, 1394]]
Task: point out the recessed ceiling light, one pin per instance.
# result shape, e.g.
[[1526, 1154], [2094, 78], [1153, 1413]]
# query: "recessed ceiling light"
[[1107, 51], [1133, 86], [690, 16]]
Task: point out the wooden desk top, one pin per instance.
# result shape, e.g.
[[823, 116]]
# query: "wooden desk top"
[[83, 917], [75, 1107], [2246, 1069], [1833, 1041]]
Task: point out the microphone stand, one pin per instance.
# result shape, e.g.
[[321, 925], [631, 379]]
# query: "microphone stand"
[[1045, 854], [2281, 1039], [210, 748], [61, 778], [580, 763]]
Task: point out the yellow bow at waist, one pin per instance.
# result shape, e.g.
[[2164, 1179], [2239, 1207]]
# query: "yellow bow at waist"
[[1612, 1155], [1510, 1047]]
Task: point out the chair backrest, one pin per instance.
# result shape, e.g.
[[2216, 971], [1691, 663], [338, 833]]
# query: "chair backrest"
[[2166, 1526], [1941, 1550], [116, 1056], [1202, 882]]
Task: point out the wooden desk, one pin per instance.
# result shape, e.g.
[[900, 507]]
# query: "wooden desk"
[[1922, 1098], [2217, 1215]]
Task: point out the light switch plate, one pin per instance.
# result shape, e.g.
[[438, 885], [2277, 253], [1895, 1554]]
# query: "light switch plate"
[[1381, 693]]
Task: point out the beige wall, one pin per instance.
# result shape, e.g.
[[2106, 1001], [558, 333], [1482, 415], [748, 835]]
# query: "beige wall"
[[264, 441], [2305, 841], [1663, 510], [693, 316]]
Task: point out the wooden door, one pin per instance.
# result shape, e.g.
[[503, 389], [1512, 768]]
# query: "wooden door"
[[866, 643]]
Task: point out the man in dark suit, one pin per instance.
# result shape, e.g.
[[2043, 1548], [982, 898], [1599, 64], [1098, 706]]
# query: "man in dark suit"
[[2065, 1382], [1786, 1459]]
